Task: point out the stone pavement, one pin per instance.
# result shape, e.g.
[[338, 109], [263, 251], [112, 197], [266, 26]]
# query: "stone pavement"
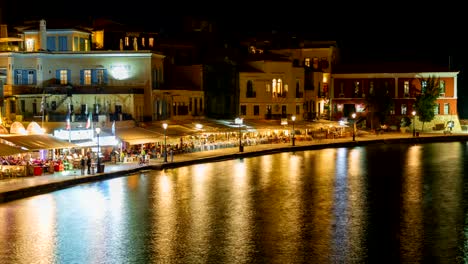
[[21, 187]]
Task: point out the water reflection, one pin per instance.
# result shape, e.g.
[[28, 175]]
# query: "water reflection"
[[398, 203]]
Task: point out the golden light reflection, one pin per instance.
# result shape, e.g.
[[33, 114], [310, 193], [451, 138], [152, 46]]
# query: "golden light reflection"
[[266, 167], [240, 220], [116, 188], [93, 210], [199, 204], [321, 198], [40, 241], [411, 232], [357, 203], [165, 216]]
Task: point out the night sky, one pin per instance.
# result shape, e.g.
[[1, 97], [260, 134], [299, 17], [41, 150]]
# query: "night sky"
[[364, 31]]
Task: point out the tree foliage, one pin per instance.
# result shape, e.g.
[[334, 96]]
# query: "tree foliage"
[[426, 100], [379, 103]]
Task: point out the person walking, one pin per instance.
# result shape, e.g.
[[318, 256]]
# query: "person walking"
[[88, 163], [82, 163]]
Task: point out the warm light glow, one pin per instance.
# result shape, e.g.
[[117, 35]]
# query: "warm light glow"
[[413, 113], [199, 126], [164, 125], [98, 130], [238, 121], [293, 118], [353, 115], [120, 72]]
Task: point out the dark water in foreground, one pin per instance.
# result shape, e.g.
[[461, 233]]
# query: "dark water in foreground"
[[373, 204]]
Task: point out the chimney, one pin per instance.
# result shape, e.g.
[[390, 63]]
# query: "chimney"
[[42, 35]]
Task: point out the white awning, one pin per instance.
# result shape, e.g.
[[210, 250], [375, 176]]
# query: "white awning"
[[7, 150], [37, 141], [138, 135]]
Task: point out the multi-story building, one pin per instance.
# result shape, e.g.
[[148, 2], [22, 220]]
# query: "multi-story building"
[[351, 85], [286, 81], [55, 73]]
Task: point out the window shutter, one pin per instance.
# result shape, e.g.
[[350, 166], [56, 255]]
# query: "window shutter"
[[93, 77], [81, 77], [24, 75], [68, 76], [105, 76]]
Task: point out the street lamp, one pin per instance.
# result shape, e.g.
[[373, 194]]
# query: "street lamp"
[[239, 122], [293, 118], [354, 126], [98, 131], [414, 124], [165, 146]]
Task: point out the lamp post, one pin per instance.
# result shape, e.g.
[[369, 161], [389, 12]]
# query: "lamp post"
[[414, 124], [165, 146], [98, 131], [293, 118], [239, 122], [354, 126]]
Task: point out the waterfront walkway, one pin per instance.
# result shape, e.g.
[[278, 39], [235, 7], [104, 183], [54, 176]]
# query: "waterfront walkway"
[[21, 187]]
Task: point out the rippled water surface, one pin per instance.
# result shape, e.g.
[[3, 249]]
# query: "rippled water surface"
[[373, 204]]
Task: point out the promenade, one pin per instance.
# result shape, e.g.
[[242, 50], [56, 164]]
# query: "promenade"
[[17, 188]]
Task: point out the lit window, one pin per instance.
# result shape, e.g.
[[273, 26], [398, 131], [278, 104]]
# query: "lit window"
[[127, 41], [30, 45], [30, 77], [142, 42], [442, 87], [63, 77], [406, 88], [436, 109], [404, 109], [307, 62], [446, 108], [87, 77], [151, 42], [100, 76]]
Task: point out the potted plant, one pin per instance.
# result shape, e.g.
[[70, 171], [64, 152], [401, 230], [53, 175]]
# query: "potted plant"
[[405, 123]]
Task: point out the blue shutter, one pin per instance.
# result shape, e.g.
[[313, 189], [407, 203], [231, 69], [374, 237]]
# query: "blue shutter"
[[51, 44], [35, 77], [93, 77], [16, 72], [63, 44], [68, 76], [81, 77], [105, 76], [57, 76], [25, 76]]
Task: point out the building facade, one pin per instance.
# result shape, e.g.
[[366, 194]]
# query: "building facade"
[[403, 82]]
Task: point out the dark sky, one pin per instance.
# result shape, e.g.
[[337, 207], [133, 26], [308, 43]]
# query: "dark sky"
[[379, 30], [364, 30]]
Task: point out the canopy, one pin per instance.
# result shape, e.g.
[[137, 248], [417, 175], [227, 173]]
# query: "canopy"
[[38, 142], [7, 150], [175, 130], [138, 135]]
